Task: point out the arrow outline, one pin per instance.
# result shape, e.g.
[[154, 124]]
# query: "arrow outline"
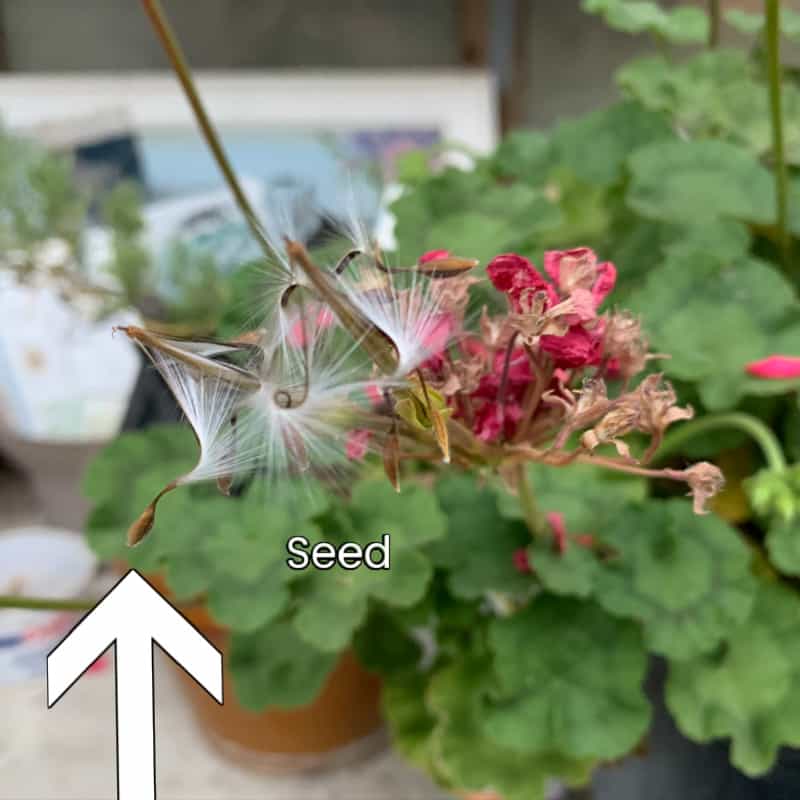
[[113, 644]]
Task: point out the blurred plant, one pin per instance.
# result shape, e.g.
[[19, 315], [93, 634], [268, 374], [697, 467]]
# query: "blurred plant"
[[43, 218]]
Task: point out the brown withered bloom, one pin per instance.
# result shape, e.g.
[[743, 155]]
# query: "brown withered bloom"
[[625, 347], [704, 480], [658, 410]]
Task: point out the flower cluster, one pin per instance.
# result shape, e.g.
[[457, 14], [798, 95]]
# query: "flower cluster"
[[531, 383]]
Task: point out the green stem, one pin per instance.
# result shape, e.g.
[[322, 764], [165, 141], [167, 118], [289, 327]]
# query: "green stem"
[[179, 64], [530, 509], [714, 18], [772, 42], [44, 603], [752, 426]]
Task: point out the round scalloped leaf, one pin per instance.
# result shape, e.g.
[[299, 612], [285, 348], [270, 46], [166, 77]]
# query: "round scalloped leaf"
[[747, 689], [699, 181], [570, 679], [334, 601], [274, 667], [570, 572], [587, 496], [595, 147], [478, 551], [685, 577], [783, 543], [750, 303], [466, 759]]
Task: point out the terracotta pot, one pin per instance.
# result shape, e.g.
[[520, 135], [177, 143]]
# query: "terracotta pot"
[[342, 725]]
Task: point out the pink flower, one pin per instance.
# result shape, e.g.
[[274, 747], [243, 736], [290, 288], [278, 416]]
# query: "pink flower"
[[513, 274], [357, 444], [578, 347], [324, 319], [775, 367], [521, 562], [433, 255], [493, 420], [555, 519], [578, 269]]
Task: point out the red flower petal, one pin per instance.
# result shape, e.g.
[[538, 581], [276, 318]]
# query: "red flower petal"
[[357, 443], [555, 519], [432, 255], [775, 367], [521, 562], [576, 348]]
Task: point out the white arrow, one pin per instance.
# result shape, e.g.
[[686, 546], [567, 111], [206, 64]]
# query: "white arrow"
[[132, 616]]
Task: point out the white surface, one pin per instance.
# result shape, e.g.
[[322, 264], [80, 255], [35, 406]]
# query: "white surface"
[[62, 375], [45, 562], [132, 616], [67, 753], [457, 102]]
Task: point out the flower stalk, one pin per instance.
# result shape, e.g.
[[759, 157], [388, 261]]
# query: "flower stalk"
[[752, 426], [715, 20], [44, 603], [772, 43]]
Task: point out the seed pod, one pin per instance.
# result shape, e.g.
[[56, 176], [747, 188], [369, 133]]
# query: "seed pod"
[[391, 460], [440, 432], [447, 267], [144, 523]]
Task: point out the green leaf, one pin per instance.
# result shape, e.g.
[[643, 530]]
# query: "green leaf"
[[134, 453], [749, 302], [747, 689], [596, 146], [335, 601], [685, 577], [693, 182], [467, 759], [571, 572], [750, 24], [479, 549], [384, 646], [525, 155], [588, 497], [274, 667], [570, 680], [783, 543], [410, 722], [246, 607], [681, 25]]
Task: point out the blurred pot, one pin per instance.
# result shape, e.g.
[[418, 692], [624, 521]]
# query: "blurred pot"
[[341, 726], [55, 470]]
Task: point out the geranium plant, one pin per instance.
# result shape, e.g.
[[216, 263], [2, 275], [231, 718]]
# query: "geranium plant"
[[509, 427]]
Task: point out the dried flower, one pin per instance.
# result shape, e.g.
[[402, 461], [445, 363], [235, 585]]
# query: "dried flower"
[[705, 480]]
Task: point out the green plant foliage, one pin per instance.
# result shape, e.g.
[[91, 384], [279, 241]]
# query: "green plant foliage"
[[783, 544], [466, 758], [570, 680], [335, 601], [274, 667], [685, 577], [588, 497], [749, 24], [682, 25], [748, 688], [479, 547], [691, 182], [752, 307], [595, 147]]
